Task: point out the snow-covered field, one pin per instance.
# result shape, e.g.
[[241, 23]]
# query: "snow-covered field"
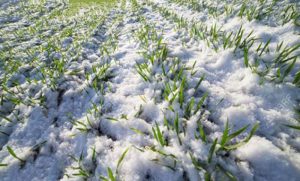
[[161, 90]]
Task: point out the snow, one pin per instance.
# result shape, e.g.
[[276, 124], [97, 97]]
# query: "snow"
[[268, 159], [90, 119]]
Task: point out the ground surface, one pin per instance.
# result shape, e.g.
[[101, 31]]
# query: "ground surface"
[[150, 90]]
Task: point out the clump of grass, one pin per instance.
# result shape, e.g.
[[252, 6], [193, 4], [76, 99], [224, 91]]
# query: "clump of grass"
[[226, 138], [111, 176], [211, 165], [158, 135]]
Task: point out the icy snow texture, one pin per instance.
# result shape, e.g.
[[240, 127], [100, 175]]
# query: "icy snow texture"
[[235, 94]]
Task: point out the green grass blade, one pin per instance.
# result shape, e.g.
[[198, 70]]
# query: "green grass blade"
[[158, 135], [5, 118], [181, 92], [94, 154], [121, 159], [201, 102], [227, 173], [189, 108], [225, 135], [212, 150], [201, 132], [253, 130], [246, 57], [265, 47], [12, 153], [196, 163], [199, 82], [246, 140], [293, 127], [3, 165], [137, 131], [207, 176], [112, 119], [161, 152], [238, 132], [289, 69], [111, 175], [297, 78], [103, 178], [176, 125]]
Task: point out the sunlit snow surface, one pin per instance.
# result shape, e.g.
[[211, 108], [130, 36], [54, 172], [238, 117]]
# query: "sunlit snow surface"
[[77, 128]]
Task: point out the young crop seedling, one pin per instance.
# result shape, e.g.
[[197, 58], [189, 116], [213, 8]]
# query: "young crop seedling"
[[158, 135], [111, 176], [80, 170], [226, 138], [88, 73]]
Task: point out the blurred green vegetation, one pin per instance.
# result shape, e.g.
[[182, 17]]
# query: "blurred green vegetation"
[[75, 5]]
